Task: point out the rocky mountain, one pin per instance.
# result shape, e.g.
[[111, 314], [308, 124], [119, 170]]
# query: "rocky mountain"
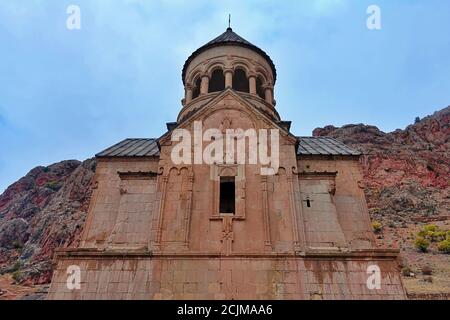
[[407, 186], [407, 180], [43, 210], [407, 172]]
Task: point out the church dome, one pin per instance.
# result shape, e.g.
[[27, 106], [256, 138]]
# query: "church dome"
[[229, 62], [229, 37]]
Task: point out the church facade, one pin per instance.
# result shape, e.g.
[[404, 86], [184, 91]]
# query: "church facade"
[[164, 229]]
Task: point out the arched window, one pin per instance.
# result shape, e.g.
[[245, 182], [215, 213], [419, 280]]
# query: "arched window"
[[196, 90], [259, 88], [217, 82], [240, 81]]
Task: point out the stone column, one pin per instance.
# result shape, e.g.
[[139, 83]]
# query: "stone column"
[[269, 94], [252, 83], [188, 97], [228, 78], [204, 87]]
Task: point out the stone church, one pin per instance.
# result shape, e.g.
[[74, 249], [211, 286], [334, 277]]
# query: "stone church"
[[160, 230]]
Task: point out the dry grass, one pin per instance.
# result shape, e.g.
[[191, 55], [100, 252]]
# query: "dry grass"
[[13, 291]]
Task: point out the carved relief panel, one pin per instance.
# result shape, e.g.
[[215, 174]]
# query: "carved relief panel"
[[136, 209], [320, 216], [280, 212], [174, 224]]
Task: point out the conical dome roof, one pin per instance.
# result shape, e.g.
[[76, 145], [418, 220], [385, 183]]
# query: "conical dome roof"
[[229, 37]]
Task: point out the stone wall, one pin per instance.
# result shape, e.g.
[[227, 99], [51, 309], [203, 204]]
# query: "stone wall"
[[338, 211], [240, 277], [123, 204]]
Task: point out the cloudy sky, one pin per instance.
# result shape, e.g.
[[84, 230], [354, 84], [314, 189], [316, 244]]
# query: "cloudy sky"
[[69, 94]]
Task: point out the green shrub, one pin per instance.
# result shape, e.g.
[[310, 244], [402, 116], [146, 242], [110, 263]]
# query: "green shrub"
[[444, 246], [422, 244], [17, 244], [16, 276], [432, 233], [377, 226], [430, 227], [429, 234], [422, 233], [53, 185], [16, 266], [438, 236]]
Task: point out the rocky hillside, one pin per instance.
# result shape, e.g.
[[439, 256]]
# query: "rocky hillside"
[[407, 172], [407, 185], [43, 210]]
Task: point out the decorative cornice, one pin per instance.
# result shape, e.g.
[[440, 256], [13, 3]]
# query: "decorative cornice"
[[317, 175], [136, 175], [382, 254]]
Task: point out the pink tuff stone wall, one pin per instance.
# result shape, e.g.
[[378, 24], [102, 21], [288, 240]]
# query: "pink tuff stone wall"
[[226, 278]]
